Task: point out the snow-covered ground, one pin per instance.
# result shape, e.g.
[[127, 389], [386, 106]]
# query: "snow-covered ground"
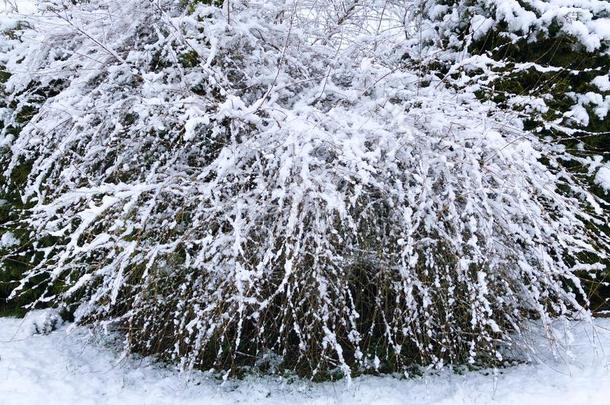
[[74, 368], [19, 6]]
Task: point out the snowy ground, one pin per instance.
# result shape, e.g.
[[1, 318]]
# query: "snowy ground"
[[71, 368], [19, 6], [75, 368]]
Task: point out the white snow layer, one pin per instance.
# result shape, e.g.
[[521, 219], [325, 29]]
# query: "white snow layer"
[[602, 82], [69, 368], [603, 177], [8, 239]]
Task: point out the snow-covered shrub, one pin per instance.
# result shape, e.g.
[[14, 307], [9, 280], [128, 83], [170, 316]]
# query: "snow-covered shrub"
[[280, 189], [43, 322], [549, 61]]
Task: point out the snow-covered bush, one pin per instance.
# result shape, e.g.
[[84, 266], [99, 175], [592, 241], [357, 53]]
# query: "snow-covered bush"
[[546, 57], [549, 61], [274, 186]]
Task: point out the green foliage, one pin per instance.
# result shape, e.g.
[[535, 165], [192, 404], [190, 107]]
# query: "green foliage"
[[189, 59]]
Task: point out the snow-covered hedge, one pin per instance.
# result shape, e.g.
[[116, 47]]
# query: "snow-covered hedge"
[[550, 60], [547, 60], [274, 186]]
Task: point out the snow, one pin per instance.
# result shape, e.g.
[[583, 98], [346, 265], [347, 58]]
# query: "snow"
[[602, 82], [8, 239], [603, 177], [71, 366]]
